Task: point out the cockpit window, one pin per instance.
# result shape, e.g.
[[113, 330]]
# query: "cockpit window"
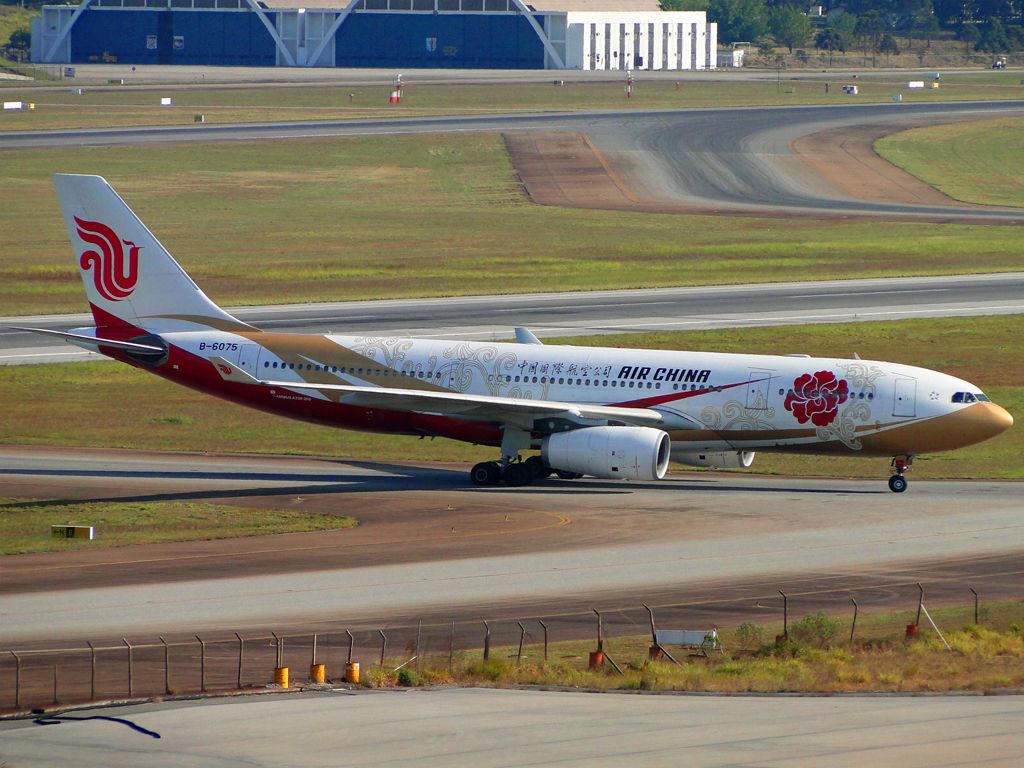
[[969, 397]]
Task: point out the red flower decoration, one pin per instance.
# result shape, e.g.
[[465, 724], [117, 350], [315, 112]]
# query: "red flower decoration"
[[816, 398]]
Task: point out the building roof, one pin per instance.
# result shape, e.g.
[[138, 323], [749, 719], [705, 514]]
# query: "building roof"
[[593, 5], [537, 5]]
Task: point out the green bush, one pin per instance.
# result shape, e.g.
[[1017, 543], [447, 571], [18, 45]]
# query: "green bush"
[[816, 630], [410, 678], [749, 635]]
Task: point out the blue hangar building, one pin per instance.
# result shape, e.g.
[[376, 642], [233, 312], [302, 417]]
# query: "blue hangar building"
[[405, 34]]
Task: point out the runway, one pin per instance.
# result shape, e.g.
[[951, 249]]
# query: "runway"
[[734, 160], [597, 312], [484, 728], [429, 547]]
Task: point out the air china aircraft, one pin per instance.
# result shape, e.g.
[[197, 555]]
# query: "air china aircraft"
[[608, 413]]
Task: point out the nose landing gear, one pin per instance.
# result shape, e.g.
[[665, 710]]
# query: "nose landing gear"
[[900, 465]]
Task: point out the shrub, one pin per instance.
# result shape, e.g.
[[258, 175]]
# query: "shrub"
[[816, 629], [409, 677], [749, 635]]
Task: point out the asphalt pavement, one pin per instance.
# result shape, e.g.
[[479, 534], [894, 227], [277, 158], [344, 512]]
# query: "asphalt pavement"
[[484, 318]]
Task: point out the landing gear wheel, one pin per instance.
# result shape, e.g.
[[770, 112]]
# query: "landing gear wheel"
[[485, 473], [538, 469], [897, 483], [517, 474]]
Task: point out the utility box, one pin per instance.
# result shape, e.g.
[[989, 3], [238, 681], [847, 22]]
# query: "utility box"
[[72, 532]]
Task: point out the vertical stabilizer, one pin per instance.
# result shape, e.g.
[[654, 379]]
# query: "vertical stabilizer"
[[128, 275]]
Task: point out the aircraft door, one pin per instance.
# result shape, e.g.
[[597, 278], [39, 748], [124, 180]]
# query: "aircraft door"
[[905, 402], [757, 390], [247, 358]]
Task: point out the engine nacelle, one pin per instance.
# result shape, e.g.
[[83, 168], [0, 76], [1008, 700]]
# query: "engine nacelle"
[[613, 453], [720, 460]]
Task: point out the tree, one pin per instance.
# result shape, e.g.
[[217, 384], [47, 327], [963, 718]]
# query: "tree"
[[993, 38], [845, 25], [889, 47], [790, 26], [19, 45], [969, 34], [829, 40], [739, 19], [870, 28]]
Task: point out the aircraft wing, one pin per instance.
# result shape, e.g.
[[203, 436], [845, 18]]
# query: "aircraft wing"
[[489, 407]]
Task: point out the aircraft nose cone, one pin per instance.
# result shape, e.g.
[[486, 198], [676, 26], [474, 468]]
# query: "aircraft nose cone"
[[998, 417]]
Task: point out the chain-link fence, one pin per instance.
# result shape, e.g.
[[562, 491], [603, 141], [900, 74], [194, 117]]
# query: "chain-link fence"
[[130, 668]]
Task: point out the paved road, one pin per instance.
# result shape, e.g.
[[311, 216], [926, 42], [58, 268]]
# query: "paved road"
[[481, 728], [598, 312], [736, 157], [690, 535]]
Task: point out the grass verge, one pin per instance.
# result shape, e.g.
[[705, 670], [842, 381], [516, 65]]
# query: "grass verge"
[[977, 162], [25, 523], [403, 216], [817, 658], [152, 414], [58, 108]]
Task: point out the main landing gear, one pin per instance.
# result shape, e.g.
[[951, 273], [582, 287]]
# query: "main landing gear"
[[897, 482], [514, 473]]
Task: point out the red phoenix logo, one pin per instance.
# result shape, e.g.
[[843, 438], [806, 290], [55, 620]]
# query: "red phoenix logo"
[[113, 274], [816, 397]]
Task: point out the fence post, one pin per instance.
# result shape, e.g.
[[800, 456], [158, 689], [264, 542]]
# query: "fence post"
[[416, 650], [17, 680], [241, 646], [487, 641], [313, 660], [920, 602], [351, 644], [522, 634], [131, 689], [853, 626], [202, 664], [654, 629], [383, 646], [545, 628], [451, 648], [600, 630], [785, 615], [92, 671], [55, 685], [975, 605], [167, 667]]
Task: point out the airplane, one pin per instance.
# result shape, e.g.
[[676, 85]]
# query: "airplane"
[[619, 414]]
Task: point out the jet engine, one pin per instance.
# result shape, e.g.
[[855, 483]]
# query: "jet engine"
[[614, 453], [721, 460]]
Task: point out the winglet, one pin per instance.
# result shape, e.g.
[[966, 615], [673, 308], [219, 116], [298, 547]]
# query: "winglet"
[[525, 336], [231, 372]]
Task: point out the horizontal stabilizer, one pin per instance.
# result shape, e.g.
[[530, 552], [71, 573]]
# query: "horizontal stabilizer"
[[78, 338]]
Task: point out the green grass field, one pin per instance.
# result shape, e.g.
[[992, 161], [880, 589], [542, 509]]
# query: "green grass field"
[[368, 218], [57, 107], [153, 414], [977, 162], [25, 523]]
